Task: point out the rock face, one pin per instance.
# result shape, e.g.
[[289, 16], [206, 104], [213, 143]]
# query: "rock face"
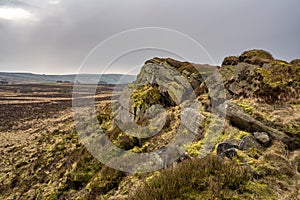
[[179, 79], [159, 83], [161, 101], [170, 82]]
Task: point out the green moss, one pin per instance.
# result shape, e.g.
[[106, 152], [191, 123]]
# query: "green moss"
[[146, 95], [136, 149], [105, 181], [280, 74], [256, 57], [261, 191], [84, 170], [213, 134], [279, 63], [247, 108], [103, 117], [193, 149], [126, 142], [293, 129], [242, 134], [228, 72]]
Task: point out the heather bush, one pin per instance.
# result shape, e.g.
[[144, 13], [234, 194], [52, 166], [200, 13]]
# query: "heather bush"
[[209, 178]]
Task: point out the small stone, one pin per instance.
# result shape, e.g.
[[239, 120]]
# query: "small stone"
[[223, 147], [230, 153], [262, 137], [249, 142]]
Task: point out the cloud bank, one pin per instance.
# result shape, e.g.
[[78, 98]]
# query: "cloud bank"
[[55, 36]]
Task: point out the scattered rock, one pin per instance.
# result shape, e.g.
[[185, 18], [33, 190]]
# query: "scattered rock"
[[249, 142], [227, 149], [244, 121], [230, 153], [262, 137]]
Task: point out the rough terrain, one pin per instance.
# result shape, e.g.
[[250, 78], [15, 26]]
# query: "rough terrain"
[[245, 144]]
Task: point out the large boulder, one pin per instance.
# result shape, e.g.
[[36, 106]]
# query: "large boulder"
[[168, 79]]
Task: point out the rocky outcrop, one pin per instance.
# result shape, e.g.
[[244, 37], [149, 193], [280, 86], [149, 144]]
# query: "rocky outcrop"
[[169, 81], [173, 102], [256, 74], [179, 79]]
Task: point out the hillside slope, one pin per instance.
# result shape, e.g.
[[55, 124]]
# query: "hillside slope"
[[228, 132]]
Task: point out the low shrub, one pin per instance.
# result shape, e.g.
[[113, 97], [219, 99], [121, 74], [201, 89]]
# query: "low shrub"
[[208, 178]]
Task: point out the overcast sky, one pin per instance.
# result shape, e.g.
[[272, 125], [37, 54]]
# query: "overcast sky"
[[54, 36]]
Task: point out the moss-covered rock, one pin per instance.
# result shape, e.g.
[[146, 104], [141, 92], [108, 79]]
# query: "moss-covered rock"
[[256, 57], [230, 60], [295, 62]]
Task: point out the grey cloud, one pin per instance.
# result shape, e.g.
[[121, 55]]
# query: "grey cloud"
[[67, 32], [16, 3]]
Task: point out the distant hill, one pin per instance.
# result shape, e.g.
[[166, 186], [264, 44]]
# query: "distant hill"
[[82, 78]]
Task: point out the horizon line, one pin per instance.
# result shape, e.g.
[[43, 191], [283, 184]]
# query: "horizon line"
[[67, 74]]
